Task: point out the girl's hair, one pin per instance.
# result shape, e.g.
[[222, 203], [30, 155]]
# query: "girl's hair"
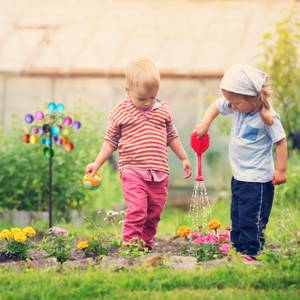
[[263, 103], [142, 72]]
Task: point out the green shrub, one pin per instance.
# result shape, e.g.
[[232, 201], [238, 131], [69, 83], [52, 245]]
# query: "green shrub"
[[281, 60], [58, 243], [94, 248], [104, 233]]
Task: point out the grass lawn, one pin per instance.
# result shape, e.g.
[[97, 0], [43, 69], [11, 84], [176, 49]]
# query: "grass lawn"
[[232, 281]]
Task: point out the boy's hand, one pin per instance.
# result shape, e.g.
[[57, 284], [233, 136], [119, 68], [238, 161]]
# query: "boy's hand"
[[91, 169], [202, 129], [278, 177], [187, 168]]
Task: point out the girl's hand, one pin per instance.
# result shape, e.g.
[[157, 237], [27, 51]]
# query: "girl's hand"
[[187, 168], [91, 169], [202, 129], [278, 177]]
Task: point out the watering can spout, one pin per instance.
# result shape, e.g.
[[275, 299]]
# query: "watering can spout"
[[199, 178], [199, 145]]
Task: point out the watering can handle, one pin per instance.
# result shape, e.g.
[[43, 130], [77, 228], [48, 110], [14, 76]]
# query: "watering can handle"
[[98, 174]]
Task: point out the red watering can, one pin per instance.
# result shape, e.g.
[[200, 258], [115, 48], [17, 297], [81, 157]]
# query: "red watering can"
[[199, 145]]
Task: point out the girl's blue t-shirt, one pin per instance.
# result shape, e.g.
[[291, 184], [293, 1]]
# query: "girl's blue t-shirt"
[[251, 141]]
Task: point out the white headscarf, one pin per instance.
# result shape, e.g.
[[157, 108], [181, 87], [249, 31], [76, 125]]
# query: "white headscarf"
[[243, 80]]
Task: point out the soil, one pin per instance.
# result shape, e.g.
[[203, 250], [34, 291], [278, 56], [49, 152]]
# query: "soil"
[[170, 246]]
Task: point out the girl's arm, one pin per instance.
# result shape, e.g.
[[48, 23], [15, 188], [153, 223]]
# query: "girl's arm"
[[279, 176], [211, 113], [177, 148]]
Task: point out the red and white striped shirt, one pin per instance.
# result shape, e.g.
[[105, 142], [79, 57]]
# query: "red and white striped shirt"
[[142, 138]]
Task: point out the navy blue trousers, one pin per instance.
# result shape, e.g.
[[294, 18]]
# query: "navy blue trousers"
[[250, 210]]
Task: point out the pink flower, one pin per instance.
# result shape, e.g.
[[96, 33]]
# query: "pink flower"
[[224, 235], [58, 231], [210, 239], [224, 249], [198, 241], [194, 235], [228, 228]]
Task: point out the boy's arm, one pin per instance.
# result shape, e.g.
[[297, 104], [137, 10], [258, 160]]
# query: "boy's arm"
[[211, 113], [279, 176], [104, 154], [109, 145], [177, 148]]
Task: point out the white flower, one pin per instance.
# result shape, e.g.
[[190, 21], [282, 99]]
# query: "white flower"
[[100, 212], [110, 213]]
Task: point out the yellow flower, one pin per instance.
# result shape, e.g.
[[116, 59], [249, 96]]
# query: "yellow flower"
[[29, 231], [5, 234], [19, 237], [183, 231], [214, 224], [82, 245], [15, 230]]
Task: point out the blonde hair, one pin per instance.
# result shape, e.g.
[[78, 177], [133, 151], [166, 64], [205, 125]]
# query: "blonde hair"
[[142, 72], [264, 103]]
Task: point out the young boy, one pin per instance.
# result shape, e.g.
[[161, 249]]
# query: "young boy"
[[141, 127]]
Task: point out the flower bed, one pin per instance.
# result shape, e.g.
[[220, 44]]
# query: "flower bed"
[[206, 245], [15, 242]]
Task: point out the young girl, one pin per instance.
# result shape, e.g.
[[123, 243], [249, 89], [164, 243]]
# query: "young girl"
[[141, 127], [255, 128]]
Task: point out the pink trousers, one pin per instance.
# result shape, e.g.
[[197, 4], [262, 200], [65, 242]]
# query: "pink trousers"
[[145, 202]]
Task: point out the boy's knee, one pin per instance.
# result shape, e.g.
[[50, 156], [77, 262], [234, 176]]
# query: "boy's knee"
[[136, 216]]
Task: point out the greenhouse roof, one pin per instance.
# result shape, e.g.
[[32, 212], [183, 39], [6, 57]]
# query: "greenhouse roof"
[[94, 38]]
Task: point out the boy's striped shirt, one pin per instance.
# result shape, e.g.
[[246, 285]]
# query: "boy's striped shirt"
[[142, 138]]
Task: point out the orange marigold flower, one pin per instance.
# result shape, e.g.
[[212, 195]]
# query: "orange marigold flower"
[[183, 231], [214, 224], [82, 245]]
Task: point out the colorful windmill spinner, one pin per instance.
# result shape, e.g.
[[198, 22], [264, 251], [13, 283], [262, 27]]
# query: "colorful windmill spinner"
[[51, 128]]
